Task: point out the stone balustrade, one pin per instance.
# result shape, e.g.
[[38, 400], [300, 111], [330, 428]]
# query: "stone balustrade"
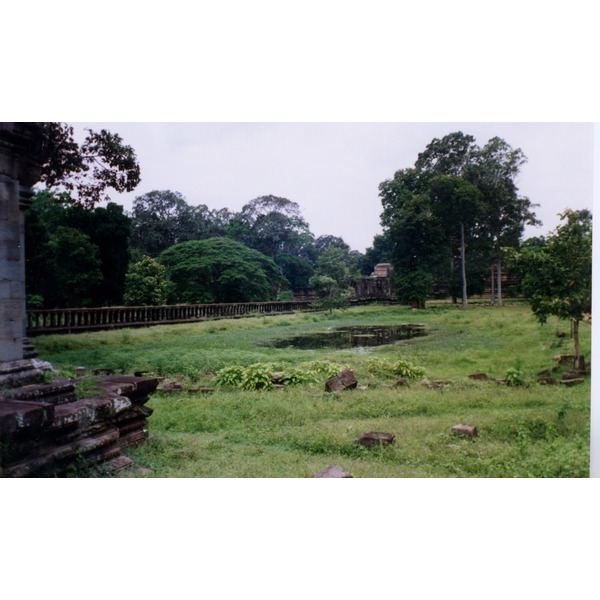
[[71, 320]]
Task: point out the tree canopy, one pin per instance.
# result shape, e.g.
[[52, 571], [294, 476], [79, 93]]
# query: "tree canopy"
[[220, 270], [104, 236], [102, 161], [458, 204]]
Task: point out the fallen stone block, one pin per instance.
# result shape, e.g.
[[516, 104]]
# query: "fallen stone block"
[[547, 380], [479, 376], [375, 438], [564, 358], [466, 430], [345, 380], [570, 382], [401, 383], [333, 472], [432, 384]]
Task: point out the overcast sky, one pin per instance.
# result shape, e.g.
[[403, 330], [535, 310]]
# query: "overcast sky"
[[333, 170]]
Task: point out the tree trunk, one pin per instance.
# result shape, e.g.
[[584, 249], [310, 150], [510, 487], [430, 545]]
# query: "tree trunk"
[[462, 266], [499, 280], [493, 287]]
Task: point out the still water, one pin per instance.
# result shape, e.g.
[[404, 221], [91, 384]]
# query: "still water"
[[349, 337]]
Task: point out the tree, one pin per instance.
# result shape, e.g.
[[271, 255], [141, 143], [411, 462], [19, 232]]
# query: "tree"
[[557, 276], [160, 219], [271, 225], [146, 283], [220, 270], [457, 205], [102, 161], [379, 252], [420, 212], [106, 229], [332, 277], [494, 169], [75, 264]]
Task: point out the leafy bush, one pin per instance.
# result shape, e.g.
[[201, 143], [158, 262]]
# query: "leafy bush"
[[399, 368], [258, 376], [322, 367], [229, 376], [514, 378]]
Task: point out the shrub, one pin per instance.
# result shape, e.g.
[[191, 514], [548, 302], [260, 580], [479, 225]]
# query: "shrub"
[[514, 377], [399, 368]]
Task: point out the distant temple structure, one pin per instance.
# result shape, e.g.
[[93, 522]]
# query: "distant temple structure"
[[376, 286]]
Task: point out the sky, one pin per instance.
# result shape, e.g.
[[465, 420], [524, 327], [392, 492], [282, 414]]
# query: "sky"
[[333, 170]]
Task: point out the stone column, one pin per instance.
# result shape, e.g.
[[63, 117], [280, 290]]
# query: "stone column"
[[20, 157]]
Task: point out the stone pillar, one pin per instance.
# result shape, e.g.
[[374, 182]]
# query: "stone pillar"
[[20, 159]]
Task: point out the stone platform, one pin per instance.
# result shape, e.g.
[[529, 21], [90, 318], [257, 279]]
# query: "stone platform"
[[49, 430]]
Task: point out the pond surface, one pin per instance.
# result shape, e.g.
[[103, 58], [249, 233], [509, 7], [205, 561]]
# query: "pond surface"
[[349, 337]]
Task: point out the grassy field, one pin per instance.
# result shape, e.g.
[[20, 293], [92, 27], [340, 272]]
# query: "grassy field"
[[529, 430]]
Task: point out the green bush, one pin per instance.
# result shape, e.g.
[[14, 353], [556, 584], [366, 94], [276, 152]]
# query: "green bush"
[[400, 368]]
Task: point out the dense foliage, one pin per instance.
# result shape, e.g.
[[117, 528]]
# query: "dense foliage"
[[458, 205], [220, 270], [146, 283], [75, 256], [85, 172]]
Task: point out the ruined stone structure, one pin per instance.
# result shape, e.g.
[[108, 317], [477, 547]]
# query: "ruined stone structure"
[[377, 286], [46, 428]]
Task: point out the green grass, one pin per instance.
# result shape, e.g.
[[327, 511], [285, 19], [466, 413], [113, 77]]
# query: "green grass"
[[524, 431]]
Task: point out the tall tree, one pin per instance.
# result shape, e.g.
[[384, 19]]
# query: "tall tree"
[[410, 211], [494, 170], [220, 270], [557, 276], [271, 225], [457, 204]]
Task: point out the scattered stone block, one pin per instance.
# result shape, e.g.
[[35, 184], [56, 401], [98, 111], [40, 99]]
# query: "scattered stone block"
[[564, 358], [570, 375], [345, 380], [277, 376], [401, 383], [362, 388], [201, 390], [547, 380], [105, 372], [80, 371], [432, 384], [479, 376], [375, 438], [570, 382], [465, 430], [170, 386], [333, 472], [545, 373]]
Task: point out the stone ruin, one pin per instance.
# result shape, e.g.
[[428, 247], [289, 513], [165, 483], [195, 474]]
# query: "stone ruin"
[[376, 286], [46, 427]]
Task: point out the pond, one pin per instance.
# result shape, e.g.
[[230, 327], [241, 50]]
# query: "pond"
[[349, 337]]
